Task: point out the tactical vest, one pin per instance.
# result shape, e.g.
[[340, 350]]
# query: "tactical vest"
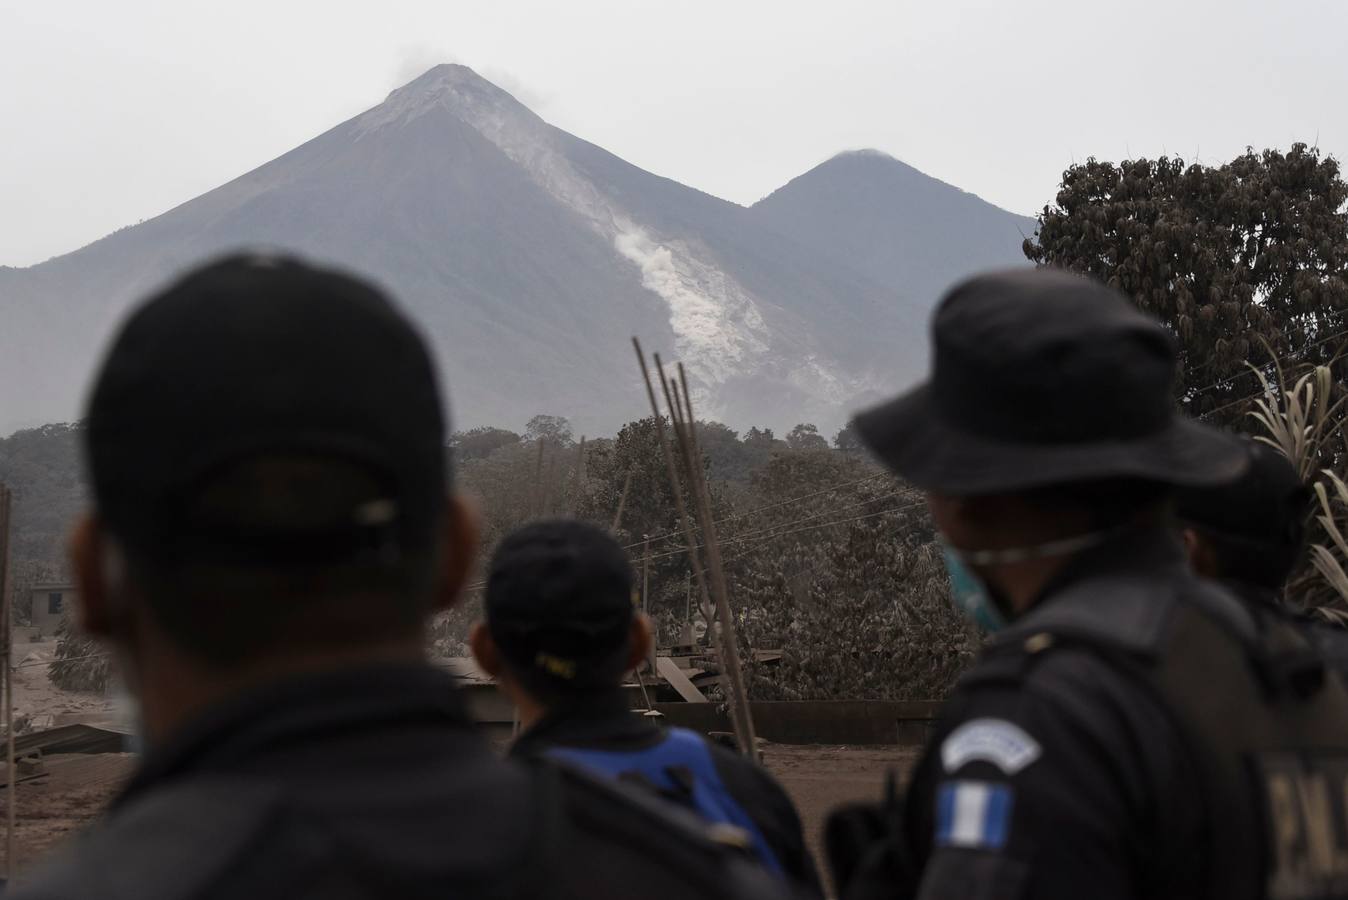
[[1265, 720], [680, 768]]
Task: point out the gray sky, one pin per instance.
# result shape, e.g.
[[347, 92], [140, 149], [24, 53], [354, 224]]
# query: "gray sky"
[[114, 112]]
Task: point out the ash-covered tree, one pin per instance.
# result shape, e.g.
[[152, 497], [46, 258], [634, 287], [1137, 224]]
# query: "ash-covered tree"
[[1225, 255], [481, 442], [635, 460], [805, 437], [841, 572], [549, 429], [848, 439]]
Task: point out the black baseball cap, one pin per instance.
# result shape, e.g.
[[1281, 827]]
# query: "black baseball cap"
[[559, 603], [256, 355]]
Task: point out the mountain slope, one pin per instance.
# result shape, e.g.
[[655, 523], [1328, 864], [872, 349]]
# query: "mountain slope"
[[892, 224], [527, 255]]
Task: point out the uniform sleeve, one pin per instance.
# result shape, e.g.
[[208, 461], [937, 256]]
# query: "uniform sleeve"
[[766, 802], [1070, 787]]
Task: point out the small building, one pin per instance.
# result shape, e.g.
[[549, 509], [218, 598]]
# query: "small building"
[[51, 602]]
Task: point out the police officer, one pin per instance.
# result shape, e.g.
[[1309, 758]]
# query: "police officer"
[[272, 528], [561, 632], [1249, 533], [1128, 731]]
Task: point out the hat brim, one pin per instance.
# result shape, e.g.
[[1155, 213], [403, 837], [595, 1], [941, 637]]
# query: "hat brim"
[[909, 436]]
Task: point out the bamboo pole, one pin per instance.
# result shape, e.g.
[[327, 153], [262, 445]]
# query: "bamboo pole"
[[536, 494], [8, 614], [646, 594], [578, 478], [622, 502], [646, 610], [685, 522], [726, 634]]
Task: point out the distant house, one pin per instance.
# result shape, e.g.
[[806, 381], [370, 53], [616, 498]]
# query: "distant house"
[[50, 603]]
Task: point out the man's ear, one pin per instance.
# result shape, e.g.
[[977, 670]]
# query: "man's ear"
[[641, 641], [96, 611], [1201, 557], [484, 649], [458, 551]]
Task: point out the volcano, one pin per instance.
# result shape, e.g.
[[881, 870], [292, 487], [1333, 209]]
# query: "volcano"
[[529, 257]]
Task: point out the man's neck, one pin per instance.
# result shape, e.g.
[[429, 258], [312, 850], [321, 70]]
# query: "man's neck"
[[174, 689], [1023, 583]]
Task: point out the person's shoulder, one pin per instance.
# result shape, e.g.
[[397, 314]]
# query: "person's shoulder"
[[178, 841], [641, 840]]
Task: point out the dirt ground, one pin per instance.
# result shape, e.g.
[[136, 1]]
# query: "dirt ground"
[[76, 788], [68, 792], [821, 778]]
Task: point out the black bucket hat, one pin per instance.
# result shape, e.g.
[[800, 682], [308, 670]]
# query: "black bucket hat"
[[1040, 377]]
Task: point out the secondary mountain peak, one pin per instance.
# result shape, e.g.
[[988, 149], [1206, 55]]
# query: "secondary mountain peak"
[[900, 227]]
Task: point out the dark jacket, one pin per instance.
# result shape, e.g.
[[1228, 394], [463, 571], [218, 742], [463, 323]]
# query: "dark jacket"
[[1119, 741], [373, 783], [605, 722]]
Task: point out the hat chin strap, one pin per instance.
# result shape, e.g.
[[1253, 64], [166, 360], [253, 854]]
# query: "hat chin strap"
[[1060, 547]]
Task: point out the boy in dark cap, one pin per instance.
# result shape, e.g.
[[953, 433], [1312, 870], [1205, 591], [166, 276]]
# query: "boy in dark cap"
[[561, 632], [273, 524], [1131, 729]]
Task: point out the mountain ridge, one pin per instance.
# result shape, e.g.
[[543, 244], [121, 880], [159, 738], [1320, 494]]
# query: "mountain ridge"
[[528, 256]]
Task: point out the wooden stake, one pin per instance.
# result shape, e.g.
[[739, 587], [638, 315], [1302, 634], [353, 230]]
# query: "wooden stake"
[[675, 485], [701, 496], [646, 609], [646, 591], [622, 502], [578, 479], [8, 614], [536, 495]]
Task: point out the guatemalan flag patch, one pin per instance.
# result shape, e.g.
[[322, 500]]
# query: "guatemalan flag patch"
[[975, 814]]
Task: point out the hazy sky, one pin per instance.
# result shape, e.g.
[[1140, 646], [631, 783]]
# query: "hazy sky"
[[112, 112]]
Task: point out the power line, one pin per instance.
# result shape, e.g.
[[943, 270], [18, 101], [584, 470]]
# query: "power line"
[[781, 534], [1327, 317], [744, 537], [1299, 354], [758, 509]]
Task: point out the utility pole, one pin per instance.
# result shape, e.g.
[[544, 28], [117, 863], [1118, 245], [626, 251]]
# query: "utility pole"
[[646, 593], [8, 614]]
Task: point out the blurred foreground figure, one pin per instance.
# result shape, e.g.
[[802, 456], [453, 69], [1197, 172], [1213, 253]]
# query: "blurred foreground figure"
[[272, 528], [561, 632], [1131, 730]]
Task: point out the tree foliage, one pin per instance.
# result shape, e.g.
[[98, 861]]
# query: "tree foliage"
[[805, 437], [479, 443], [549, 429], [829, 559], [1223, 255], [849, 584]]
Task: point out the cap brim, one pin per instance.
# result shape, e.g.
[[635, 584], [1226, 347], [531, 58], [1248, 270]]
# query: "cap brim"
[[909, 436]]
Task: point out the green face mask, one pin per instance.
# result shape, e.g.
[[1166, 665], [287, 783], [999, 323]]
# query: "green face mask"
[[971, 594]]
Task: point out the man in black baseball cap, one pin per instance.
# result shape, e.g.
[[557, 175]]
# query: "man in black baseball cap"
[[272, 527], [1127, 720], [561, 632]]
